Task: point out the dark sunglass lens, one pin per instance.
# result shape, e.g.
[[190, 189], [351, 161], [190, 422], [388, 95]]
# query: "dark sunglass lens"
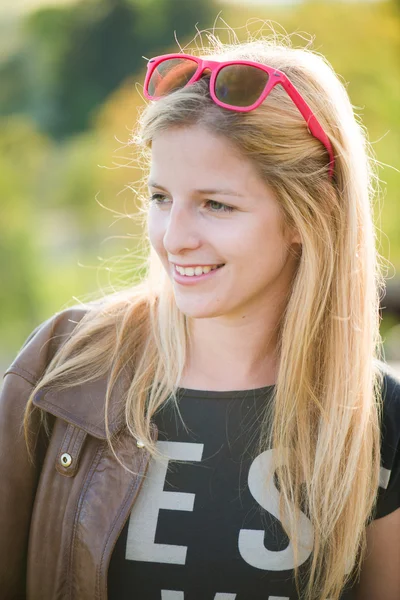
[[240, 85], [171, 75]]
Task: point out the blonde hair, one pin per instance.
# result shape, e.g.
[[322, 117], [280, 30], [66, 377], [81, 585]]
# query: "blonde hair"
[[324, 424]]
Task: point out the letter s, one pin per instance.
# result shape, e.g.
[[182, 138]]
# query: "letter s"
[[251, 541]]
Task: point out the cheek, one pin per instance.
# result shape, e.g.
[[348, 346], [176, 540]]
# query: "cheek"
[[261, 251], [155, 232], [259, 240]]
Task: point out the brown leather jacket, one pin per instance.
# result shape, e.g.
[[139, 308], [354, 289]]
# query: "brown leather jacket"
[[61, 516]]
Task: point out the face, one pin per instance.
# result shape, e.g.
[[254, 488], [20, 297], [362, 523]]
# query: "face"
[[209, 206]]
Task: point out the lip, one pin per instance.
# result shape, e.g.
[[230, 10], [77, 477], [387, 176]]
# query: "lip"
[[194, 265], [186, 280]]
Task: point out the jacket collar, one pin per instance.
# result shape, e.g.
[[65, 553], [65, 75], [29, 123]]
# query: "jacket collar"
[[84, 405]]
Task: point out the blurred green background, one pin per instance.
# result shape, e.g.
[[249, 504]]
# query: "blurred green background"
[[71, 76]]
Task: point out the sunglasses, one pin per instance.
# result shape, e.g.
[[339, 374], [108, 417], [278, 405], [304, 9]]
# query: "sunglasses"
[[240, 85]]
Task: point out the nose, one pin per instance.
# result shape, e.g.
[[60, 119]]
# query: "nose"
[[182, 230]]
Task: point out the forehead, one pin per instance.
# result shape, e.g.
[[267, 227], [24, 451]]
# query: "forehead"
[[195, 158]]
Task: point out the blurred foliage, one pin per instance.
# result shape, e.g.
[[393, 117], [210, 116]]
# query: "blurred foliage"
[[70, 90], [71, 58]]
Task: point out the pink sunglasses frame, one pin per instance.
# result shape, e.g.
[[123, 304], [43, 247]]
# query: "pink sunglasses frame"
[[275, 77]]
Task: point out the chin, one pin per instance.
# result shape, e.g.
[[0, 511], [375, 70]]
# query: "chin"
[[199, 312]]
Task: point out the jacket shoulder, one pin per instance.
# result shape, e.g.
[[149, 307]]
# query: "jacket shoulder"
[[389, 492], [390, 385], [44, 341], [390, 406]]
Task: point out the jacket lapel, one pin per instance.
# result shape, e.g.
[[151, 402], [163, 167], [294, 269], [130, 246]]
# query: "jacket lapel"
[[83, 405]]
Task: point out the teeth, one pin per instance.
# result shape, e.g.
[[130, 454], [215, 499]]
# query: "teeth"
[[191, 271]]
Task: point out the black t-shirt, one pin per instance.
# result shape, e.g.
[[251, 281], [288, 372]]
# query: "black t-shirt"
[[203, 526]]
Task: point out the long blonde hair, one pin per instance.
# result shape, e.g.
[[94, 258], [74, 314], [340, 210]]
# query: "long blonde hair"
[[324, 424]]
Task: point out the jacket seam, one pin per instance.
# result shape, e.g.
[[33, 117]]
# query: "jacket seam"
[[77, 444], [132, 487], [72, 441], [93, 465], [26, 371], [78, 441], [32, 380], [67, 433]]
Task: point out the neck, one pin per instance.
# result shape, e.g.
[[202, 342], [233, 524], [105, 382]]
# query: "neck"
[[240, 356]]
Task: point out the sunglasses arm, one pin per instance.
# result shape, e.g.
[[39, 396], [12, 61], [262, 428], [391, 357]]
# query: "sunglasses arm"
[[311, 120]]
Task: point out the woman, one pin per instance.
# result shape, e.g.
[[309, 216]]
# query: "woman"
[[257, 325]]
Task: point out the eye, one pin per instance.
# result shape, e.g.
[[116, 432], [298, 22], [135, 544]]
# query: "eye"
[[157, 199], [226, 208], [154, 198]]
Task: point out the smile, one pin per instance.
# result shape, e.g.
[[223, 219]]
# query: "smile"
[[187, 279]]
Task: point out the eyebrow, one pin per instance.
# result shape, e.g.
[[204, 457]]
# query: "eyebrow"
[[204, 191]]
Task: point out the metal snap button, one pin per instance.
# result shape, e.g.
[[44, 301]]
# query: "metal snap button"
[[139, 444], [66, 459]]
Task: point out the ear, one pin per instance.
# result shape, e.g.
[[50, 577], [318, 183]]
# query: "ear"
[[295, 244], [296, 239], [293, 237]]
